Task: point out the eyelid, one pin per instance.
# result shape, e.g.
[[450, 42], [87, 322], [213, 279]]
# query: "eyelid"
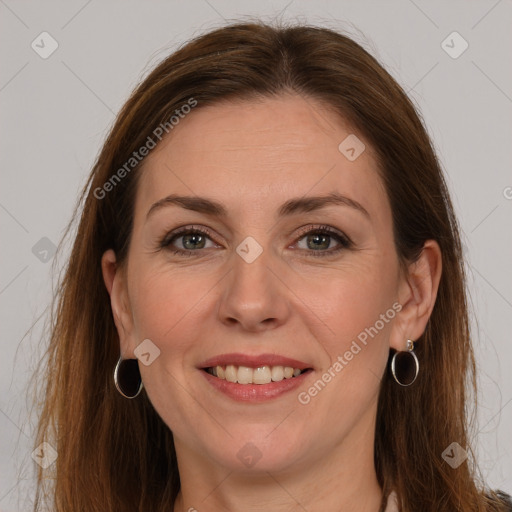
[[183, 230], [344, 241], [304, 230]]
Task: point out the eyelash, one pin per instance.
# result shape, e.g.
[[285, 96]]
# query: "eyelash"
[[343, 240]]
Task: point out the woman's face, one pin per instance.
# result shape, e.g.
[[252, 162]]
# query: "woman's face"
[[273, 276]]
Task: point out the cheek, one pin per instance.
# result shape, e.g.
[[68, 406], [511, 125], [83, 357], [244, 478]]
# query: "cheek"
[[359, 315], [357, 309], [350, 302], [165, 307], [164, 302]]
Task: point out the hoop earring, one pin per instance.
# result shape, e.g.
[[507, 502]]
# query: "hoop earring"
[[127, 377], [405, 365]]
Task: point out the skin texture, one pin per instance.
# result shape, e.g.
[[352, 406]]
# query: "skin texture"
[[252, 156]]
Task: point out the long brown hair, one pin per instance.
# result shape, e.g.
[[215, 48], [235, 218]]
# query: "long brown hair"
[[118, 455]]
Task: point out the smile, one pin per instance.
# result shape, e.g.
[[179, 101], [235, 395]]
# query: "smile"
[[260, 375], [255, 378]]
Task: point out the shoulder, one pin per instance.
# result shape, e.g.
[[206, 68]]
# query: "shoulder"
[[392, 503], [504, 499]]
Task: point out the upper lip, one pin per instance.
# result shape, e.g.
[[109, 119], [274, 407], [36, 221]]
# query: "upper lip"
[[253, 361]]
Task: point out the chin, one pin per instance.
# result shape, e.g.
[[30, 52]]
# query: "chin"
[[258, 449]]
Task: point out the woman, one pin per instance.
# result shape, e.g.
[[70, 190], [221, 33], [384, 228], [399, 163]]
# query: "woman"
[[264, 308]]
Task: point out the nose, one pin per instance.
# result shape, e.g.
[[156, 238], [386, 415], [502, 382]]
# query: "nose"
[[254, 298]]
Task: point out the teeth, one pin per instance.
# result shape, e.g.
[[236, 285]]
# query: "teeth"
[[277, 373], [244, 375], [261, 375], [230, 373]]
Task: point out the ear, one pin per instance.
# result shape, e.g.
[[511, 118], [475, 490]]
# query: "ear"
[[115, 281], [417, 296]]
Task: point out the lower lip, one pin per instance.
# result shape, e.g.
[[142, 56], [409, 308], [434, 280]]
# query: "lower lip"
[[255, 392]]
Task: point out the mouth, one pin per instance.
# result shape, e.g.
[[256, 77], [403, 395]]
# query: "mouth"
[[254, 378], [260, 375]]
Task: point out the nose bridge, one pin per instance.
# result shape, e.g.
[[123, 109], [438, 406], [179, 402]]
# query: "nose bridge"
[[253, 296]]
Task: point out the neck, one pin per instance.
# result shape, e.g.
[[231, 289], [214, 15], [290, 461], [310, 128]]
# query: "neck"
[[342, 478]]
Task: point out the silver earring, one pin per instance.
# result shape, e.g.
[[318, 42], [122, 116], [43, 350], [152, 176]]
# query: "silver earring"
[[405, 365], [127, 378]]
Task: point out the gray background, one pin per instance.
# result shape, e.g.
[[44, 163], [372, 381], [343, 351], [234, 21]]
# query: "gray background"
[[56, 112]]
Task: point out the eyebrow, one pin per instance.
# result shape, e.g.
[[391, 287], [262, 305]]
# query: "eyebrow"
[[290, 207]]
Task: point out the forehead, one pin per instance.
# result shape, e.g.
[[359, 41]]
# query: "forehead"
[[255, 152]]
